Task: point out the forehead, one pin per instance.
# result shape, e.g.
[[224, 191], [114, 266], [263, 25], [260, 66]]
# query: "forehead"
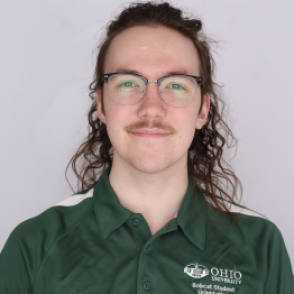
[[152, 51]]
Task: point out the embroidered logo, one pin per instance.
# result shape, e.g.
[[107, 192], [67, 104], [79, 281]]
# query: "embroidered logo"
[[196, 271]]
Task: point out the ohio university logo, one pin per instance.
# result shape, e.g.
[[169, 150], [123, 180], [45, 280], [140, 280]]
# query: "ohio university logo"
[[197, 271]]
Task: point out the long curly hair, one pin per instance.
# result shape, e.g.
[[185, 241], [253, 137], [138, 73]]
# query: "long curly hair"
[[212, 174]]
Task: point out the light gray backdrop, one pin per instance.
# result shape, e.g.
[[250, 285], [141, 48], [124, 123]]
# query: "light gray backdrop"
[[47, 59]]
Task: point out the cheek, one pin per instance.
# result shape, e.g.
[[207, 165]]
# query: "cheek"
[[117, 121], [187, 131], [184, 123], [185, 119]]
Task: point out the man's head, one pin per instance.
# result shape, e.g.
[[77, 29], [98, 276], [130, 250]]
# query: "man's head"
[[154, 40], [152, 51]]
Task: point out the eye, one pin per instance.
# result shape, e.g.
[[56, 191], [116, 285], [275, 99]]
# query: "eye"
[[128, 84], [176, 86]]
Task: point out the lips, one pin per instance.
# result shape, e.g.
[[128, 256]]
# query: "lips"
[[150, 133]]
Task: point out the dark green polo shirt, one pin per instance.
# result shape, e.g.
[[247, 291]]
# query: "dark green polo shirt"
[[90, 244]]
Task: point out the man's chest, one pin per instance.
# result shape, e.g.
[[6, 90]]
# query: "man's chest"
[[127, 263]]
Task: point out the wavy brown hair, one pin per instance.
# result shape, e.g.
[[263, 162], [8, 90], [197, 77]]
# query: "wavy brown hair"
[[212, 174]]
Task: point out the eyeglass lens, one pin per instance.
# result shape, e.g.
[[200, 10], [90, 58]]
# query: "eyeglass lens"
[[129, 89]]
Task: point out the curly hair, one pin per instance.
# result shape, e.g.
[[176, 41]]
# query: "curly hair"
[[212, 174]]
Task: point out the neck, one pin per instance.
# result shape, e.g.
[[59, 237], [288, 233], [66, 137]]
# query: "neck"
[[157, 196]]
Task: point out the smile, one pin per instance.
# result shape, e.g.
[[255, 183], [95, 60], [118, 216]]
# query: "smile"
[[150, 133]]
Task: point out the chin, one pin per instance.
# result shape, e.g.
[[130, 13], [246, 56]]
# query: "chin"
[[150, 165], [147, 161]]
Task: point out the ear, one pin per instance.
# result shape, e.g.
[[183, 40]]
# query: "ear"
[[203, 115], [100, 112]]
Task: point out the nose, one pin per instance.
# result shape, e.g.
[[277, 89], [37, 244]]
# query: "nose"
[[151, 106]]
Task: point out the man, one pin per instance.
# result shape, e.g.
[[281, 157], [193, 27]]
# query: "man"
[[158, 219]]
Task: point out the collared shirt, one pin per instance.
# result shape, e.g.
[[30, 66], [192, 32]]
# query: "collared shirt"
[[90, 243]]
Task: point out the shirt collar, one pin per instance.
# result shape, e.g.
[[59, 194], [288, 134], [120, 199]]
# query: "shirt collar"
[[110, 214]]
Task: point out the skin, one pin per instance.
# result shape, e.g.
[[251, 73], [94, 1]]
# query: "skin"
[[149, 175]]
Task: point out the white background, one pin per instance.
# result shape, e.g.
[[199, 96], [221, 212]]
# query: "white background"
[[47, 58]]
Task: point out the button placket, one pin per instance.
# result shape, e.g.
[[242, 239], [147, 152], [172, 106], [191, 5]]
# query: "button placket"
[[140, 230], [147, 264], [147, 267]]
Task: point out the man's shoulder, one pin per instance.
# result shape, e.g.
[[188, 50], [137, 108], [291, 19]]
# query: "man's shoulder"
[[255, 236], [243, 216], [32, 241], [248, 227], [42, 230], [247, 220]]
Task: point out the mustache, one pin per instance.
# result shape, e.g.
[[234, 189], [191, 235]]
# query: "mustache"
[[147, 124]]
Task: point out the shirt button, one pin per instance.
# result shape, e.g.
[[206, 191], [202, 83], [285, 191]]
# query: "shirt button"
[[147, 286], [136, 222], [147, 250]]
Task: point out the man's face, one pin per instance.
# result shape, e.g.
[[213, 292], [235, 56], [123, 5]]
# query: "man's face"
[[152, 52]]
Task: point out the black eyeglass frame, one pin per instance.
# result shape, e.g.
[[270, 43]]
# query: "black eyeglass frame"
[[106, 77]]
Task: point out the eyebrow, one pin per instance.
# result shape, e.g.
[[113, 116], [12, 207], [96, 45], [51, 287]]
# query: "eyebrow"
[[129, 70]]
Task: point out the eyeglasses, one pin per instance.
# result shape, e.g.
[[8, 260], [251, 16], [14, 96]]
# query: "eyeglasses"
[[175, 90]]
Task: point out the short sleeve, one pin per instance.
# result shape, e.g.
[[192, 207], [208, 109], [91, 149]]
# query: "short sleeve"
[[15, 265], [280, 274]]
